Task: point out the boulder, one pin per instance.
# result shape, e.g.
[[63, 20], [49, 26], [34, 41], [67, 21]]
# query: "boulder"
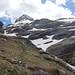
[[41, 72]]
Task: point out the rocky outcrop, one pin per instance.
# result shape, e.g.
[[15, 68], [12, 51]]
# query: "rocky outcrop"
[[64, 50], [1, 27], [41, 72], [50, 57]]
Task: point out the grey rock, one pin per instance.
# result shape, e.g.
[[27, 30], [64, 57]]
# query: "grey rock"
[[43, 73], [43, 52], [64, 50], [14, 61], [24, 17], [26, 66], [3, 39], [50, 57], [2, 50], [24, 43]]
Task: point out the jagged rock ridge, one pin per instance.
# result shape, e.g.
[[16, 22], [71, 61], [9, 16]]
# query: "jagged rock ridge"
[[24, 17]]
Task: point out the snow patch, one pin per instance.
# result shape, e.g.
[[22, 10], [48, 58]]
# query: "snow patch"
[[13, 28], [40, 43], [12, 34], [61, 25], [10, 25], [36, 24], [21, 23], [71, 29], [73, 36], [68, 20], [34, 29], [73, 67], [25, 36], [68, 27]]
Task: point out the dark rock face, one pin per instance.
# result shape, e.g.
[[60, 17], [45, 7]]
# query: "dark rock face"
[[1, 27], [57, 28], [50, 28], [48, 56], [1, 24], [64, 50]]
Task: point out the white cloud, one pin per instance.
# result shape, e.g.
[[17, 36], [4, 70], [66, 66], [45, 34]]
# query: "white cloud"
[[34, 8], [73, 0], [14, 4], [59, 2], [4, 5]]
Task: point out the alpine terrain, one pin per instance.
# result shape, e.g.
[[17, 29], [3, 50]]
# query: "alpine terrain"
[[38, 47]]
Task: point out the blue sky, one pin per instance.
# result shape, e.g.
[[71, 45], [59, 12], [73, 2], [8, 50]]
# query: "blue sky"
[[51, 9], [70, 5], [43, 1]]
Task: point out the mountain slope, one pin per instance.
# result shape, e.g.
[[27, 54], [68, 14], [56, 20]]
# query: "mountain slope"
[[18, 56], [49, 31], [44, 33], [65, 50], [36, 29]]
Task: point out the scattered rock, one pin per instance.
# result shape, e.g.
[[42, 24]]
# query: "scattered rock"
[[43, 52], [26, 66], [3, 39], [24, 43], [41, 72], [20, 62], [48, 42], [45, 37], [2, 50], [13, 61], [35, 54]]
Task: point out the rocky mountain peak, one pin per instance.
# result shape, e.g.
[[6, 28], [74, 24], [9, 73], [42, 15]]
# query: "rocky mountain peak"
[[24, 17]]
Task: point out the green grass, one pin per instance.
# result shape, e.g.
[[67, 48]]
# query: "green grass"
[[13, 48]]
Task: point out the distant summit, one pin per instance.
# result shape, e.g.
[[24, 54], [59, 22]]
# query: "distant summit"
[[24, 17]]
